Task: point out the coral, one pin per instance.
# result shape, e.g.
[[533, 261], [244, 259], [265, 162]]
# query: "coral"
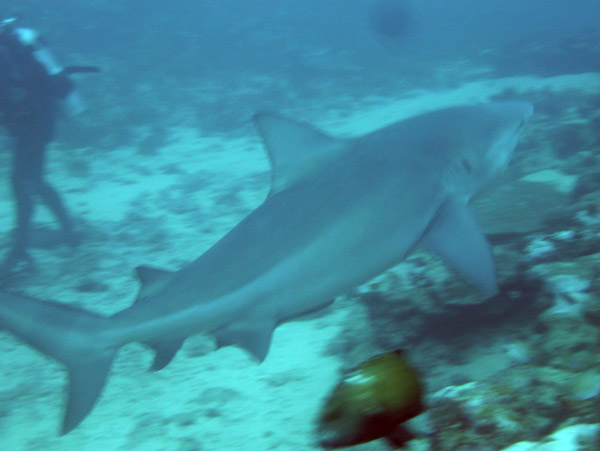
[[571, 138], [586, 385], [580, 437], [591, 311], [569, 292], [539, 248], [519, 405], [518, 352]]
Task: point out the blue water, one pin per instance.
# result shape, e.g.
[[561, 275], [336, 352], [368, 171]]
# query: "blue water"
[[219, 37]]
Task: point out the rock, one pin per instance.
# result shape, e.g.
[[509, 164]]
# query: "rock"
[[520, 206]]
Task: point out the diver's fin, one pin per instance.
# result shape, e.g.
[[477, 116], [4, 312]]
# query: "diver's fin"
[[255, 337], [165, 351], [295, 148], [455, 236], [86, 380]]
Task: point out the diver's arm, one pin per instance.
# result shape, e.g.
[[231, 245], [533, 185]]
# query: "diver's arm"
[[60, 85]]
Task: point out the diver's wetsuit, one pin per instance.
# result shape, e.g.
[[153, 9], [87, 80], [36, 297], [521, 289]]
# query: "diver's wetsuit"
[[28, 109]]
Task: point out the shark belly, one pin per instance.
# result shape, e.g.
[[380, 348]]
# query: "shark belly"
[[345, 255]]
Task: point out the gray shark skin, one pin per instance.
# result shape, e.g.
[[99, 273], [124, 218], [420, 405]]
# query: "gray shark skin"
[[340, 211]]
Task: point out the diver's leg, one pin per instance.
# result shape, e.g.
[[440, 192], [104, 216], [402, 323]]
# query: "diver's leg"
[[52, 199], [17, 258], [22, 192], [49, 195]]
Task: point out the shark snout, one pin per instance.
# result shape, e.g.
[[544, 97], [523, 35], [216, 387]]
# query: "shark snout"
[[518, 114], [512, 115], [526, 113], [522, 110]]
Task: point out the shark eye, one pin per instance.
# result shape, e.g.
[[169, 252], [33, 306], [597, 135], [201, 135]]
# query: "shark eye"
[[466, 165]]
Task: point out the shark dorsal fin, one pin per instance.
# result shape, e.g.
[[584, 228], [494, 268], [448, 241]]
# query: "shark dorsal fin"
[[295, 148], [149, 275], [151, 279]]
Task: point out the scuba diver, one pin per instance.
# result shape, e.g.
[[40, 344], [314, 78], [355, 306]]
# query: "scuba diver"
[[34, 91]]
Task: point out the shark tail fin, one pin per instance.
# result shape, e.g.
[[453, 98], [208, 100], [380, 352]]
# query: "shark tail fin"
[[86, 381], [70, 335]]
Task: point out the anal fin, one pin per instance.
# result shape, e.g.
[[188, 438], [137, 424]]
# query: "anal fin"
[[165, 352], [255, 337]]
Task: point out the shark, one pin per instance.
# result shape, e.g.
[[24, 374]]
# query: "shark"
[[340, 211]]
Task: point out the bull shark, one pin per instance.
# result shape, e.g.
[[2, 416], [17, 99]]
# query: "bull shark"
[[340, 211]]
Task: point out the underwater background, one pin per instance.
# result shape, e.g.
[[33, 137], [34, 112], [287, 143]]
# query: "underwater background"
[[165, 161]]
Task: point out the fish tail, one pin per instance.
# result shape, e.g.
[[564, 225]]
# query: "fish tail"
[[72, 336]]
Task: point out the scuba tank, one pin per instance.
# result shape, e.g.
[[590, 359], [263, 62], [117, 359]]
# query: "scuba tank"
[[70, 104]]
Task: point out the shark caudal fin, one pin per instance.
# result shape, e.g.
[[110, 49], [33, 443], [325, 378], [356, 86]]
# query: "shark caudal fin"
[[69, 335], [86, 380]]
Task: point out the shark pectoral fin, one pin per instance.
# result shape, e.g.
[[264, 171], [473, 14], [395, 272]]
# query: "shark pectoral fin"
[[295, 149], [165, 351], [86, 381], [457, 238], [150, 279], [255, 337]]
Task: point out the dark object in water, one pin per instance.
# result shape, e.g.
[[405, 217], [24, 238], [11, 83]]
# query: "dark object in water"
[[389, 18], [371, 402]]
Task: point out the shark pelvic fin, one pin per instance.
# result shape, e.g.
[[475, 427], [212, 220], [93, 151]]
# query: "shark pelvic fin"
[[455, 236], [165, 351], [295, 148], [255, 337]]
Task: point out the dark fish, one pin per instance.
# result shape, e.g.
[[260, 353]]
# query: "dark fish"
[[371, 402], [390, 19]]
